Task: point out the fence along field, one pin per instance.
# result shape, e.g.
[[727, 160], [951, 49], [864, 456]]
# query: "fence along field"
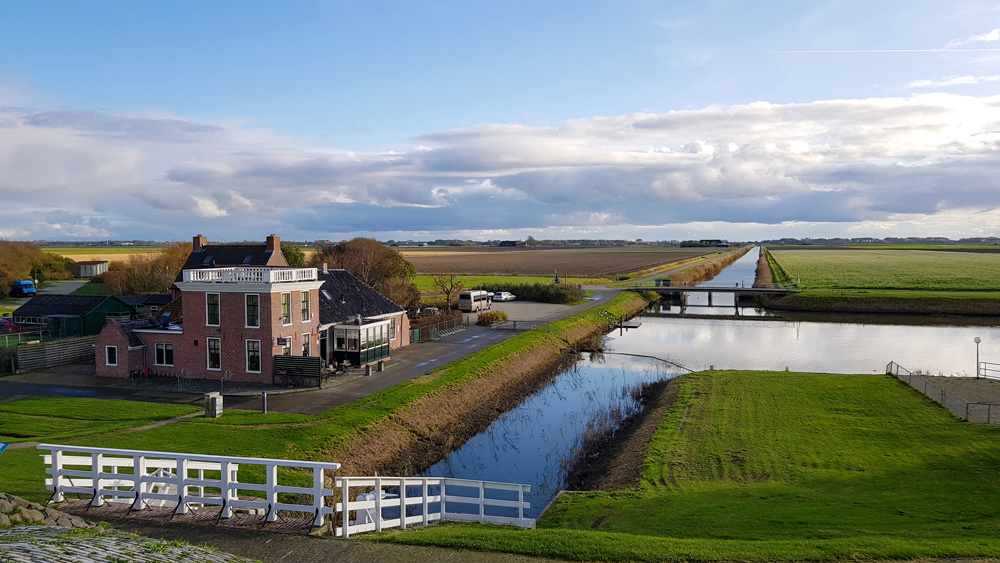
[[572, 262], [890, 269]]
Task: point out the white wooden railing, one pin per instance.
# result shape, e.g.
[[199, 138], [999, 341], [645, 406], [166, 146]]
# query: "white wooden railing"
[[420, 500], [250, 274], [179, 480]]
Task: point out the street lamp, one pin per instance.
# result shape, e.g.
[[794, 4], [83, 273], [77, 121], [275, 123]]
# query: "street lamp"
[[977, 340]]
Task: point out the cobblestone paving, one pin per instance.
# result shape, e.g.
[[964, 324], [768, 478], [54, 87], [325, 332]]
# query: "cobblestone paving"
[[55, 544]]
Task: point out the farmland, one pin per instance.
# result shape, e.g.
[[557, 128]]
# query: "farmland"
[[890, 269], [99, 253], [544, 262]]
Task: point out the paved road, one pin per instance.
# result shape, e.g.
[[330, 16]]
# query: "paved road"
[[65, 287]]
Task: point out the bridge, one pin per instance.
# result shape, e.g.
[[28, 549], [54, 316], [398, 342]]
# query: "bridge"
[[739, 291]]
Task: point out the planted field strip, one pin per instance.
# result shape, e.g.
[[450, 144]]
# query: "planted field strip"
[[890, 269], [573, 262]]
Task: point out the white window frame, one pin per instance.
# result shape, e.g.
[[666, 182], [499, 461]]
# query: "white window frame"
[[260, 356], [208, 354], [246, 310], [305, 305], [306, 344], [286, 319], [392, 327], [108, 349], [218, 296], [156, 353]]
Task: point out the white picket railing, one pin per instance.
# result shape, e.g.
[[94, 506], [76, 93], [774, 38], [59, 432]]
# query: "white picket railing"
[[179, 480], [420, 500], [250, 274]]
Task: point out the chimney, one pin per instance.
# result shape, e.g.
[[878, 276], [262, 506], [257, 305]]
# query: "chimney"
[[324, 267], [198, 242], [273, 243]]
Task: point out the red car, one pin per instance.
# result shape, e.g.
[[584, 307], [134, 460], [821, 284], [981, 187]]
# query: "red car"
[[7, 325]]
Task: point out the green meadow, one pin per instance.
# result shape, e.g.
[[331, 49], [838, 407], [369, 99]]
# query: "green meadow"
[[780, 466]]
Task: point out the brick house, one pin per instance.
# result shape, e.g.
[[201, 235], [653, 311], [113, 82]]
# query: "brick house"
[[237, 306]]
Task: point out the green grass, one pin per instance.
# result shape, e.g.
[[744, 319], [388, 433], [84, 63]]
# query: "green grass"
[[781, 466], [425, 283], [251, 433], [91, 288], [890, 269]]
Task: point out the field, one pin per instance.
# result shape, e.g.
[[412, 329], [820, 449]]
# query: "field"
[[586, 263], [781, 466], [99, 253], [425, 283], [890, 269]]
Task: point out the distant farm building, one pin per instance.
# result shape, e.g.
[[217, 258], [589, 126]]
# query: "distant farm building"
[[87, 269]]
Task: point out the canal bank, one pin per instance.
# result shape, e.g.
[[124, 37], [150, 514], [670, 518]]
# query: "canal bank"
[[439, 411]]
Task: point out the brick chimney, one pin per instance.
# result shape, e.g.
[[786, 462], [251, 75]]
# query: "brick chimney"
[[273, 243], [198, 243]]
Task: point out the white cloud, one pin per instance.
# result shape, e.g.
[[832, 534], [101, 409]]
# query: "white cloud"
[[830, 162], [954, 81], [988, 37]]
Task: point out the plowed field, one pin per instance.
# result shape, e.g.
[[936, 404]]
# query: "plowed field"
[[573, 262]]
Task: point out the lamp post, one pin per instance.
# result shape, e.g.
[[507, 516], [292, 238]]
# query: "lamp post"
[[977, 340]]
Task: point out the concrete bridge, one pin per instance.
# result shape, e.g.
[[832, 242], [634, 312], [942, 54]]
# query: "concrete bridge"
[[740, 292]]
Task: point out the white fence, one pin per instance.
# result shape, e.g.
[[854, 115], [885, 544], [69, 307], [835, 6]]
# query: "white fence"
[[980, 413], [250, 274], [184, 481], [397, 502]]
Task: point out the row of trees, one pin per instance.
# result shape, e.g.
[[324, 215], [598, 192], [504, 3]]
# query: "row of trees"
[[24, 260], [379, 266]]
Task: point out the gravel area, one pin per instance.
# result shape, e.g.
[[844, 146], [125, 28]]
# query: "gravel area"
[[969, 388]]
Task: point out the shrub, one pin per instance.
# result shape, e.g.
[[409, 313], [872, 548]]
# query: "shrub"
[[491, 317], [543, 293]]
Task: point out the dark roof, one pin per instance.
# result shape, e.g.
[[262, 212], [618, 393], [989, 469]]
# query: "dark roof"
[[70, 305], [135, 340], [152, 299], [228, 255], [358, 298]]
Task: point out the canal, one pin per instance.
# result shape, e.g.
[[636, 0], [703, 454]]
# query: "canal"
[[534, 442]]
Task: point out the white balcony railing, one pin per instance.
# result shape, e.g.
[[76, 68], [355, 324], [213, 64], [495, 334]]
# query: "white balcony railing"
[[251, 274]]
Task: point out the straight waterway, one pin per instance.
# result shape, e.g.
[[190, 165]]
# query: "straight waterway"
[[534, 442]]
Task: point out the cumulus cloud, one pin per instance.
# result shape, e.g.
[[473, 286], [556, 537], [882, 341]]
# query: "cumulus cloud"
[[849, 162]]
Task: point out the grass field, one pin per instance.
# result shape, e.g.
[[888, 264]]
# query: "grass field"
[[425, 283], [781, 466], [890, 269], [586, 263]]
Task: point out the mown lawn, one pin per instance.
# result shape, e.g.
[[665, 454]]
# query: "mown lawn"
[[890, 269], [782, 466]]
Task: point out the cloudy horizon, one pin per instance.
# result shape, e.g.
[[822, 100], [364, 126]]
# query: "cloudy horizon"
[[876, 141]]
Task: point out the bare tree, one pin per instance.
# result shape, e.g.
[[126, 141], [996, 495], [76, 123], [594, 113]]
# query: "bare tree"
[[449, 285]]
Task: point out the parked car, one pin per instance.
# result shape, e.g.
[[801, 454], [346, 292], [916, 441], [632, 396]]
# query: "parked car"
[[22, 288], [7, 325], [504, 296]]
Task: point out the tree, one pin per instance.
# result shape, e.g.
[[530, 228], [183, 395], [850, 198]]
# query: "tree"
[[147, 274], [23, 260], [293, 254], [449, 285], [375, 264]]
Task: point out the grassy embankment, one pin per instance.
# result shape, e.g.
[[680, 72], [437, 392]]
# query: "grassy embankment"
[[878, 280], [751, 466], [390, 431]]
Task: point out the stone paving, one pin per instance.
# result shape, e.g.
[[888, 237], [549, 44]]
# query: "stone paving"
[[57, 544]]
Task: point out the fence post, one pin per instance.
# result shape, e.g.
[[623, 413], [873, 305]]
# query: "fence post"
[[317, 494], [482, 502], [96, 461], [426, 516], [57, 495], [402, 503], [272, 491], [378, 504], [182, 487], [345, 522]]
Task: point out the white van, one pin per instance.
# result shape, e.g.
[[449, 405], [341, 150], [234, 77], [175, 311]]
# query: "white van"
[[475, 300]]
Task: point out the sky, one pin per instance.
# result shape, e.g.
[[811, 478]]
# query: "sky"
[[625, 119]]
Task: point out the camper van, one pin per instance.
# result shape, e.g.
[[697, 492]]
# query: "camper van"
[[475, 300], [22, 288]]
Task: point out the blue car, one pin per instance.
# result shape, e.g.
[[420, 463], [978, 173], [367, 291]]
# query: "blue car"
[[22, 288]]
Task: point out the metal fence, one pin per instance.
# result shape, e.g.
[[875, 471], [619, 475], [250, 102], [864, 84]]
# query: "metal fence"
[[980, 413], [15, 338], [437, 330]]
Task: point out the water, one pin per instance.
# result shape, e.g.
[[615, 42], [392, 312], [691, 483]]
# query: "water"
[[740, 273], [533, 442]]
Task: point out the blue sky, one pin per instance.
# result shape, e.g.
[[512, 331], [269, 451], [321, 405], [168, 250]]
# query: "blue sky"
[[654, 120]]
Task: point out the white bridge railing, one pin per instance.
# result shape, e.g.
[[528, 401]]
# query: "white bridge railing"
[[184, 481], [250, 274], [397, 502]]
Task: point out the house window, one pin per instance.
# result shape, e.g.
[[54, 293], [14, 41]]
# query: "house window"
[[286, 308], [305, 305], [212, 309], [253, 355], [164, 355], [214, 347], [352, 341], [339, 339], [305, 344], [111, 355], [253, 310], [392, 328]]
